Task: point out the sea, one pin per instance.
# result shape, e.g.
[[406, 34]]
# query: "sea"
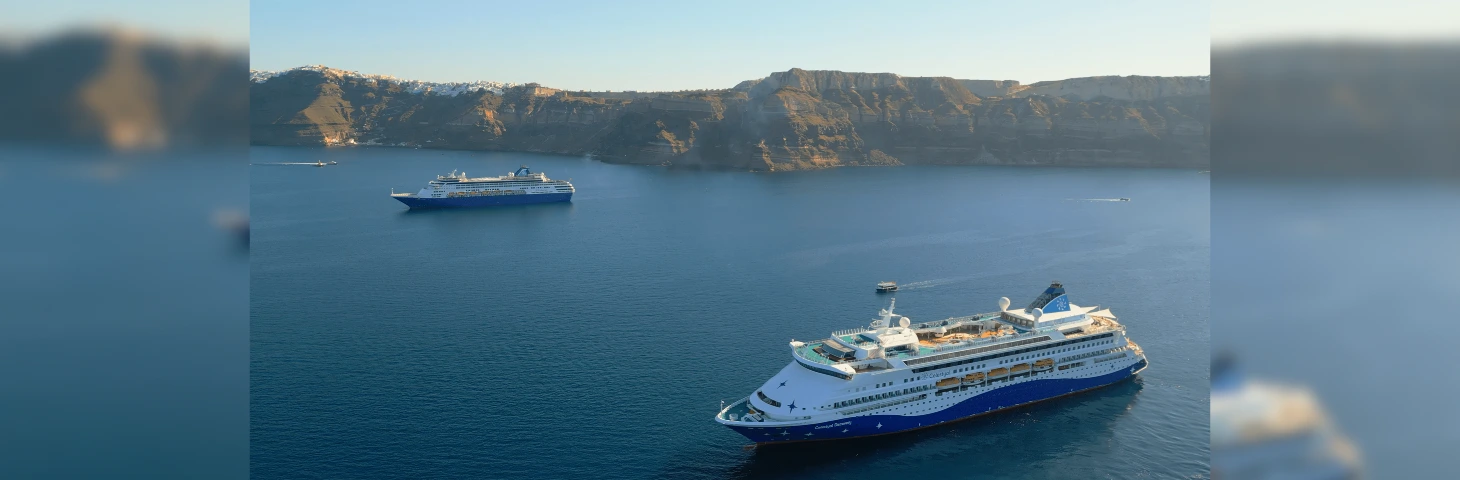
[[598, 338]]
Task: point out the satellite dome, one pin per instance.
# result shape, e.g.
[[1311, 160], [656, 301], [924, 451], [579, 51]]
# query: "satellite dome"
[[1003, 303], [904, 322], [1038, 312]]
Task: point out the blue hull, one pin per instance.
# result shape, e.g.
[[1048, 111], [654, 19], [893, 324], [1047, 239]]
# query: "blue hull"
[[1010, 396], [484, 201]]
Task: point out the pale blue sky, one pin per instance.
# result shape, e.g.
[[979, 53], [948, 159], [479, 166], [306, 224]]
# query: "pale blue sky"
[[219, 22], [644, 45]]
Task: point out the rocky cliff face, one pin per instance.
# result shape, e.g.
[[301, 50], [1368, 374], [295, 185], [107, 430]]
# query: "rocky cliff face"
[[992, 88], [122, 90], [791, 120], [1136, 88]]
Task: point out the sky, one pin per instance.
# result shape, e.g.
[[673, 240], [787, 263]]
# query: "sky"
[[217, 22], [644, 45], [1237, 22]]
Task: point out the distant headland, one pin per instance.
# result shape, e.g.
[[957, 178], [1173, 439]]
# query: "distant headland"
[[792, 120]]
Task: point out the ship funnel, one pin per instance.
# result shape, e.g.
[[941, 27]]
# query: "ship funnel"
[[1052, 300]]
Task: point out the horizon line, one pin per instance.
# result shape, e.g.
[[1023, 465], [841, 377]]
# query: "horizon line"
[[384, 75]]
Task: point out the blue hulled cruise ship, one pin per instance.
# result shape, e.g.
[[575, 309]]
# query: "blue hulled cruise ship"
[[895, 375], [518, 188]]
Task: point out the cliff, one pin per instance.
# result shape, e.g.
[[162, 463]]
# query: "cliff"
[[797, 119], [1138, 88], [122, 90]]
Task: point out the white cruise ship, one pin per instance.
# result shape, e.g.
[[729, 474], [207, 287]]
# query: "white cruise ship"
[[517, 188], [897, 375]]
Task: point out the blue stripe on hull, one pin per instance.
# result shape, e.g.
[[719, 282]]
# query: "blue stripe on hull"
[[484, 201], [1010, 396]]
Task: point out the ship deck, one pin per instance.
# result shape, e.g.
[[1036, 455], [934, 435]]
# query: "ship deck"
[[947, 343]]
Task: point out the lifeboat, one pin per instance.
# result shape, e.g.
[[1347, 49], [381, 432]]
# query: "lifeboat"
[[974, 377], [1023, 367], [948, 382], [998, 372], [1044, 364]]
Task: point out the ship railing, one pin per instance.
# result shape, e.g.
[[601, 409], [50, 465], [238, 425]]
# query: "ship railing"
[[806, 352], [876, 406], [947, 322], [741, 410], [1091, 329], [1062, 321], [971, 342], [1096, 353], [871, 364], [849, 331]]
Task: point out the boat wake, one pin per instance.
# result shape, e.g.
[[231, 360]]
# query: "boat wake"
[[1098, 199], [312, 164], [922, 284], [931, 283]]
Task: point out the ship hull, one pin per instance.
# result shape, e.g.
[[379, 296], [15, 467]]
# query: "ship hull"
[[483, 201], [1007, 397]]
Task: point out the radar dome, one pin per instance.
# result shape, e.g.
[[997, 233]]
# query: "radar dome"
[[1003, 303], [1038, 312], [904, 322]]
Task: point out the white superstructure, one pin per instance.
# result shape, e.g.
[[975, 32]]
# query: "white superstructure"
[[908, 375], [521, 182]]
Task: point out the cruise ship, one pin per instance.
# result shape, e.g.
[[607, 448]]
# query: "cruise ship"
[[456, 190], [1263, 429], [896, 375]]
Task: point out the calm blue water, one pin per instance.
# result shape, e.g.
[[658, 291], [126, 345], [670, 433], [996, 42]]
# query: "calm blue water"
[[1345, 287], [597, 338], [123, 315]]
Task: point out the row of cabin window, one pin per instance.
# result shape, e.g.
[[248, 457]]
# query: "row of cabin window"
[[881, 396], [1015, 352], [914, 389], [1104, 342]]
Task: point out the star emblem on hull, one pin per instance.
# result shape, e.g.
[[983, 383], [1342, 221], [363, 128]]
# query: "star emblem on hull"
[[808, 434], [879, 424], [844, 430]]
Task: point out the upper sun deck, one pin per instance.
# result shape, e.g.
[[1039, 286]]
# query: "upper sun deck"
[[882, 346], [521, 175]]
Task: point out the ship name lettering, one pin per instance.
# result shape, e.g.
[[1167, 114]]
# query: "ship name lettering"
[[834, 425]]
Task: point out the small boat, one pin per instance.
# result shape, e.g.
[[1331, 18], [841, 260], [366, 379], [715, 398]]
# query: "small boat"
[[1124, 199], [884, 287]]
